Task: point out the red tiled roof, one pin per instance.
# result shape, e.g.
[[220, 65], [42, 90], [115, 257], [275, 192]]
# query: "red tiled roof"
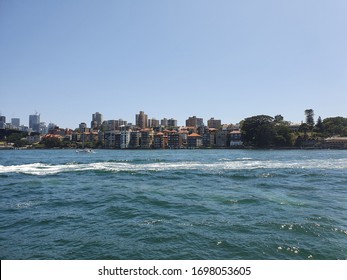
[[194, 135]]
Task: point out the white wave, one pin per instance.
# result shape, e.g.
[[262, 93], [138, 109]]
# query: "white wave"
[[49, 169]]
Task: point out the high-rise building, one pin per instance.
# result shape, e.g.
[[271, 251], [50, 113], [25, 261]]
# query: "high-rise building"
[[171, 122], [194, 122], [164, 122], [15, 122], [153, 123], [96, 121], [212, 123], [34, 122], [82, 127], [141, 120], [2, 122]]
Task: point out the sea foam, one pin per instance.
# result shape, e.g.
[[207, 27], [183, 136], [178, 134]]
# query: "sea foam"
[[49, 169]]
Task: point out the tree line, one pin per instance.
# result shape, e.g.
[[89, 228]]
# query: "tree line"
[[265, 131]]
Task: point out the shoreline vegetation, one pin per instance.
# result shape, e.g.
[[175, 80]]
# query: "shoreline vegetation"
[[256, 132]]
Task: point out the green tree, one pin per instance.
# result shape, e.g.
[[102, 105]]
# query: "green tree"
[[279, 118], [258, 131], [309, 118], [283, 135], [51, 142], [335, 126], [304, 128], [319, 125]]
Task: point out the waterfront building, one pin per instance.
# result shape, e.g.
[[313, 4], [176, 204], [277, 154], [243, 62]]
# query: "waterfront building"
[[212, 123], [194, 121], [174, 140], [135, 137], [235, 138], [124, 139], [209, 138], [109, 139], [159, 141], [141, 120], [34, 122], [335, 143], [222, 138], [146, 138], [184, 137], [96, 121], [194, 140]]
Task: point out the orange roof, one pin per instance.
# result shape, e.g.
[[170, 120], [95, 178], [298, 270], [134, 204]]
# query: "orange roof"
[[194, 135], [52, 136]]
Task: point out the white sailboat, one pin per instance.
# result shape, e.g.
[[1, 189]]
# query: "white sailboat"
[[84, 150]]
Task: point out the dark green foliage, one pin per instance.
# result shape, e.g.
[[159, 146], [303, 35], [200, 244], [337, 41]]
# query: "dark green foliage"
[[279, 118], [51, 142], [258, 131], [335, 126], [283, 136], [309, 118], [264, 131], [14, 136], [319, 125]]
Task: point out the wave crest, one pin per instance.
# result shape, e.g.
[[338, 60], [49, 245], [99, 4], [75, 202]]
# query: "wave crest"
[[50, 169]]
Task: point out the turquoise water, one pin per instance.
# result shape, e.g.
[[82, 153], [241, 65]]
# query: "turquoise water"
[[173, 204]]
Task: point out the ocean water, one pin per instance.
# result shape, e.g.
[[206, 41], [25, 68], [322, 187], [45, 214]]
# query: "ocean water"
[[173, 204]]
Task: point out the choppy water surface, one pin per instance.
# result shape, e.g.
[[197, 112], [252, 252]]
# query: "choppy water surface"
[[185, 204]]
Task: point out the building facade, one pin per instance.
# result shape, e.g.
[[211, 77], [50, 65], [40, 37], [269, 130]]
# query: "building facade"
[[2, 122], [141, 120], [15, 122], [194, 122], [212, 123], [194, 140], [34, 122], [96, 121]]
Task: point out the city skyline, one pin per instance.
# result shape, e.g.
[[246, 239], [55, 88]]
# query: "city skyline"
[[219, 59], [97, 119]]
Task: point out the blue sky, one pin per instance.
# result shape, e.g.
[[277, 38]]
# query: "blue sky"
[[226, 59]]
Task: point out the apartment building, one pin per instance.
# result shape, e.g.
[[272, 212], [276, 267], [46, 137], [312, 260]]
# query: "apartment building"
[[194, 140], [141, 120], [212, 123], [194, 121]]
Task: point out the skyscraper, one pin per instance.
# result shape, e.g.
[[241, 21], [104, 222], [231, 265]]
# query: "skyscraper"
[[212, 123], [96, 121], [194, 122], [34, 122], [172, 122], [2, 122], [15, 122], [141, 120]]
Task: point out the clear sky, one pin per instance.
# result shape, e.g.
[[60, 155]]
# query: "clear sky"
[[226, 59]]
